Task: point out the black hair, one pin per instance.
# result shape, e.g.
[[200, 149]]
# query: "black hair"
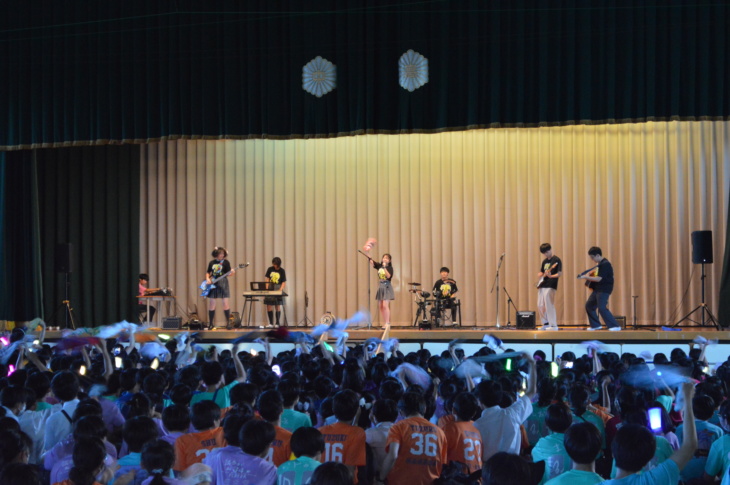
[[244, 392], [345, 405], [595, 251], [256, 436], [217, 250], [205, 414], [65, 386], [578, 397], [39, 383], [127, 379], [332, 473], [138, 431], [12, 444], [545, 247], [20, 474], [138, 405], [11, 396], [158, 457], [583, 442], [181, 394], [86, 407], [465, 406], [489, 393], [703, 407], [390, 388], [307, 441], [176, 417], [144, 276], [546, 390], [88, 458], [270, 405], [289, 392], [232, 425], [633, 446], [412, 403], [385, 410], [188, 375], [276, 261], [558, 418], [88, 427], [211, 373], [444, 268], [507, 469]]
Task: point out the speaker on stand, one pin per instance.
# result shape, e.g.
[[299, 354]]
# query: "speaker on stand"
[[701, 254], [64, 264]]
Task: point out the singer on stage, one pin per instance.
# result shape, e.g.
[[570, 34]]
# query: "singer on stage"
[[385, 289]]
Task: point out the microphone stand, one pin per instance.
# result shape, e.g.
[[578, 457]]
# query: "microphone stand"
[[367, 275], [509, 302], [496, 285]]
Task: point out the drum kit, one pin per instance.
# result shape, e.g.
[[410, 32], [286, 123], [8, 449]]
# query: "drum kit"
[[423, 299]]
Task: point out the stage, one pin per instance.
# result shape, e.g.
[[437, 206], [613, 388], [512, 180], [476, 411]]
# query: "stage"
[[552, 343]]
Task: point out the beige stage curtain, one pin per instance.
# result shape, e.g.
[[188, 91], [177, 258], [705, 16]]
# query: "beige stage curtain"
[[456, 199]]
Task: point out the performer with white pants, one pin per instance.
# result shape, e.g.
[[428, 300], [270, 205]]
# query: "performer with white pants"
[[550, 270]]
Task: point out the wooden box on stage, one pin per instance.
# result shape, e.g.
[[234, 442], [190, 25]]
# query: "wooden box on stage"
[[525, 320], [171, 323]]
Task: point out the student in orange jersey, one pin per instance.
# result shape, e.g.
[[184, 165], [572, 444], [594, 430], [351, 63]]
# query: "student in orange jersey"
[[270, 408], [192, 448], [343, 442], [416, 448], [463, 440]]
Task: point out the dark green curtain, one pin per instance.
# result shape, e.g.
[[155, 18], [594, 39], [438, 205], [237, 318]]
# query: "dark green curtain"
[[89, 196], [724, 311], [20, 264], [84, 72]]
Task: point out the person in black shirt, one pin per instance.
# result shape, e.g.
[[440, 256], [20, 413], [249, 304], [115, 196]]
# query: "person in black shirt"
[[444, 291], [601, 282], [550, 270], [217, 268], [277, 276], [385, 290]]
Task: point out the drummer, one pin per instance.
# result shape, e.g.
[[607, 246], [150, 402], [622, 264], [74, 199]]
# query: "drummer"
[[444, 290]]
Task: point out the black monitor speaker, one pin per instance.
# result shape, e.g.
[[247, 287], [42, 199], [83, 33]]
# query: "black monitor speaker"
[[702, 247], [525, 319], [64, 261]]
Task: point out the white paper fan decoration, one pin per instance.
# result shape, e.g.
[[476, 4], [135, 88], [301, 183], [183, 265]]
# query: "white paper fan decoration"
[[319, 77], [412, 70]]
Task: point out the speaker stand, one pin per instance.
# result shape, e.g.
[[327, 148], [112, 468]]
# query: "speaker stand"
[[66, 306], [702, 308]]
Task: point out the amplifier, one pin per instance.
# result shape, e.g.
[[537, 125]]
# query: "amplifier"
[[171, 323], [525, 320]]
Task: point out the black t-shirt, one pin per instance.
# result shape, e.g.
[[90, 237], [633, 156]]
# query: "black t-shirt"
[[444, 289], [276, 276], [546, 264], [605, 271], [218, 268], [388, 267]]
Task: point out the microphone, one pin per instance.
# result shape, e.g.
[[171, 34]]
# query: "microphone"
[[502, 257]]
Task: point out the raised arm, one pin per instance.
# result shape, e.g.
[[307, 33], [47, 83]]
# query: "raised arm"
[[689, 437], [108, 366], [33, 358], [531, 390], [240, 370]]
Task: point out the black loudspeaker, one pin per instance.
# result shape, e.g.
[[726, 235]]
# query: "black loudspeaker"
[[525, 319], [171, 323], [702, 247], [64, 262]]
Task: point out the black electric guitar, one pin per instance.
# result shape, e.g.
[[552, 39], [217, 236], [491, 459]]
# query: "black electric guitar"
[[206, 287], [545, 275]]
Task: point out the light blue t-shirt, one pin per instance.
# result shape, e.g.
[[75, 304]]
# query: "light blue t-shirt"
[[222, 396], [576, 477], [297, 472], [665, 474], [535, 424], [551, 449], [718, 460], [707, 434], [292, 420], [662, 452]]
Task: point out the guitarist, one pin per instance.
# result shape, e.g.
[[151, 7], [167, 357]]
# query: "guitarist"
[[550, 270], [218, 267], [601, 282]]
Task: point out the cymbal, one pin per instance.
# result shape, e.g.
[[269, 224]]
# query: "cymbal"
[[415, 284]]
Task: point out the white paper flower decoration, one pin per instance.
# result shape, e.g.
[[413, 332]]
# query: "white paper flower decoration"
[[319, 77], [412, 70]]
